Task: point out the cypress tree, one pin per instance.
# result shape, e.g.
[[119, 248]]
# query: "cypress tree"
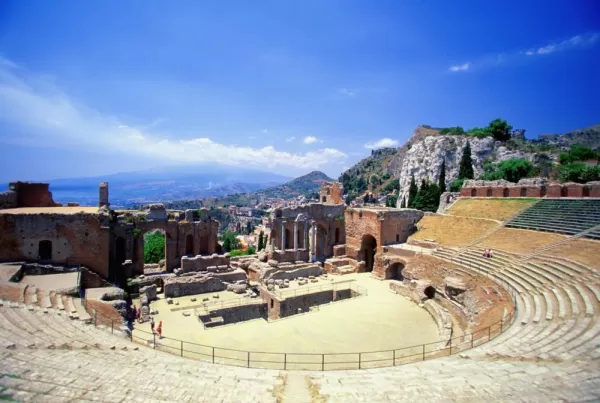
[[412, 191], [466, 164], [442, 180], [403, 203], [261, 240]]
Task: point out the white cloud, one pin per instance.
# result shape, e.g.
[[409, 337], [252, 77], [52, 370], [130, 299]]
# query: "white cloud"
[[251, 137], [310, 139], [572, 42], [348, 92], [290, 139], [385, 142], [460, 67], [50, 117], [577, 41], [265, 131]]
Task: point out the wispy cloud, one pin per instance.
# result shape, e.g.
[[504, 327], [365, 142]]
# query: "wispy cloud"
[[290, 139], [385, 142], [265, 131], [310, 139], [460, 67], [346, 92], [48, 116], [574, 42]]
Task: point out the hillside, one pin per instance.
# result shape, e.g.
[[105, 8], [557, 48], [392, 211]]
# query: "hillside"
[[306, 185], [423, 154]]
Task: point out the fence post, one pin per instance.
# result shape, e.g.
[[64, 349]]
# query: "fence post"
[[423, 352], [248, 359], [359, 360], [450, 346], [154, 337], [489, 333], [112, 323], [95, 317], [394, 358], [284, 361], [501, 325], [182, 348], [472, 336], [322, 362], [213, 355]]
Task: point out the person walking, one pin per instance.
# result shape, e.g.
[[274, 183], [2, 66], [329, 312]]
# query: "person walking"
[[159, 330]]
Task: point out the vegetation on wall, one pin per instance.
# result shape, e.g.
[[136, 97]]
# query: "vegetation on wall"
[[230, 242], [498, 129], [512, 170]]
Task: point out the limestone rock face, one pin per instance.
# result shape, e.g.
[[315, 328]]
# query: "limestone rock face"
[[425, 156]]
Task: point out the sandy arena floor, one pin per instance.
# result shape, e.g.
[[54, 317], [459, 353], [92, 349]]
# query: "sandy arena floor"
[[49, 282], [382, 320]]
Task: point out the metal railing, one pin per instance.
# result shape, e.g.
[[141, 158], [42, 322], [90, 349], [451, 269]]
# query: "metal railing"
[[340, 286], [319, 361]]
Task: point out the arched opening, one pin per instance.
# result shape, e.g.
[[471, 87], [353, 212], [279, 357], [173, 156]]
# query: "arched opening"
[[45, 250], [505, 192], [473, 192], [324, 199], [564, 191], [397, 238], [189, 244], [203, 244], [394, 272], [523, 192], [273, 238], [154, 246], [368, 250], [120, 250], [300, 238], [337, 236], [289, 241], [429, 292], [321, 242], [586, 192], [489, 192]]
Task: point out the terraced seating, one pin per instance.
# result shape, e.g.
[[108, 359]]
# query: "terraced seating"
[[563, 216], [558, 305]]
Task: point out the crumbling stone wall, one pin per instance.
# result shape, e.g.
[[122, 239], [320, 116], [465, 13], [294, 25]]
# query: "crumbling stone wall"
[[81, 238], [30, 194], [529, 187], [202, 263], [331, 193], [8, 199], [199, 284]]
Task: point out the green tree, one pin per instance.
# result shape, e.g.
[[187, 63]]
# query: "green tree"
[[500, 130], [374, 180], [428, 197], [456, 184], [515, 169], [412, 191], [230, 242], [442, 179], [154, 247], [465, 169]]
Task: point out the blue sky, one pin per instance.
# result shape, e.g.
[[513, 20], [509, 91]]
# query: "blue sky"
[[98, 87]]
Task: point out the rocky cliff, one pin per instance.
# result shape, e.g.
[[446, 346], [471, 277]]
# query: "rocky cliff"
[[423, 156]]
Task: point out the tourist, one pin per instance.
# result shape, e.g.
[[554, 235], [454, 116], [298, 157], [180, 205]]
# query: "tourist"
[[159, 330], [491, 254], [152, 324]]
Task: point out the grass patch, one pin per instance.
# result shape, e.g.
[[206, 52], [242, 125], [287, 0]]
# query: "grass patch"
[[519, 240], [490, 208], [452, 231]]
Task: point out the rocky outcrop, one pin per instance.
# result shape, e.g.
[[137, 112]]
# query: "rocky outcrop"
[[424, 157]]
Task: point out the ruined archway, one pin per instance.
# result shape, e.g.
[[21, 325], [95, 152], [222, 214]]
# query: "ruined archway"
[[523, 192], [394, 272], [505, 192], [45, 250], [321, 240], [289, 239], [155, 246], [489, 193], [120, 250], [368, 249], [299, 233], [429, 292], [473, 192], [189, 244], [337, 236]]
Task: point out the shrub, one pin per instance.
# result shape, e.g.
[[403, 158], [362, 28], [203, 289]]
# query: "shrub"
[[456, 184], [154, 247]]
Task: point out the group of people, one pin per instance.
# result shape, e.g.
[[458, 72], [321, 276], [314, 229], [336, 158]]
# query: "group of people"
[[488, 253], [133, 314]]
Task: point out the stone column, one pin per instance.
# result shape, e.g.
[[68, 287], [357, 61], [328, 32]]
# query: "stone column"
[[282, 235], [296, 236], [313, 246]]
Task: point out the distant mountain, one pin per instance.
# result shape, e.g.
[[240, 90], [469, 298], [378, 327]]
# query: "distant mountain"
[[165, 184], [305, 185], [590, 137]]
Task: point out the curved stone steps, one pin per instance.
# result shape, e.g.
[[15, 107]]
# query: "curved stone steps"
[[526, 277]]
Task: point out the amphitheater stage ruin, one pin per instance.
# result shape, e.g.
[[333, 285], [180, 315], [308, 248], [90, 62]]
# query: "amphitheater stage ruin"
[[365, 323]]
